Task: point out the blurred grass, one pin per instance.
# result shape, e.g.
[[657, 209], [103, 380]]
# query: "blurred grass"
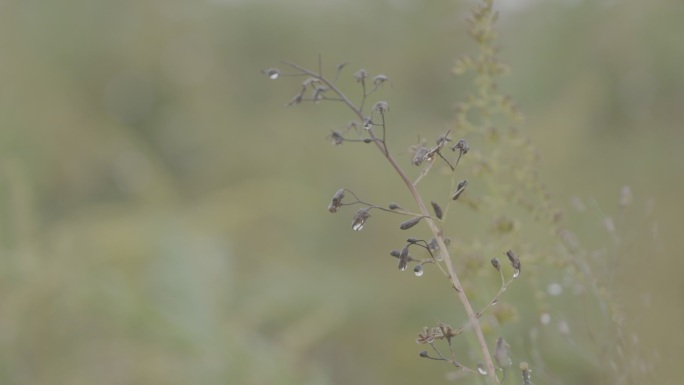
[[162, 218]]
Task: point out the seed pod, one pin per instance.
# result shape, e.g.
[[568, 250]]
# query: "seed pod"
[[410, 223], [438, 210], [394, 206], [336, 201], [459, 189], [360, 219]]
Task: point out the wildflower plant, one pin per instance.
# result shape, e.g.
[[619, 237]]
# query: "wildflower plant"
[[484, 147]]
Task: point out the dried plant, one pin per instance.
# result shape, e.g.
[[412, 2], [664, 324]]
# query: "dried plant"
[[512, 172]]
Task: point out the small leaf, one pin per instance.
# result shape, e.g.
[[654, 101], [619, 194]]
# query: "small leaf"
[[410, 223]]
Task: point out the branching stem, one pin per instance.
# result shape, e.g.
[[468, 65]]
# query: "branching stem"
[[452, 275]]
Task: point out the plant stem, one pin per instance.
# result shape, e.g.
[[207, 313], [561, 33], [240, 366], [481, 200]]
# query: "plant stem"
[[436, 232]]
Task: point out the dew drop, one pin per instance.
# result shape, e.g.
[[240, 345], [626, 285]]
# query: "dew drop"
[[481, 369], [418, 270], [274, 75], [357, 226], [516, 273], [495, 301]]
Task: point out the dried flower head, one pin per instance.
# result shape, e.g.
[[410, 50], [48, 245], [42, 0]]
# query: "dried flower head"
[[515, 262], [419, 155], [336, 201], [425, 337], [360, 219], [462, 146], [379, 79], [361, 75], [381, 107]]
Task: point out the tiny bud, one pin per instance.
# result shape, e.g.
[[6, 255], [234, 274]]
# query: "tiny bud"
[[412, 240], [360, 219], [438, 210], [360, 75], [410, 223], [395, 253], [496, 264], [394, 206], [423, 354], [336, 201], [272, 73], [379, 79], [368, 140], [459, 189], [367, 123]]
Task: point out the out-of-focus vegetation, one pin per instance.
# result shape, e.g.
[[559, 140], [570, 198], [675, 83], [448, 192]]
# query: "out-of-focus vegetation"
[[162, 218]]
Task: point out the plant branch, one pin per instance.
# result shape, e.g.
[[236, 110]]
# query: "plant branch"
[[452, 275]]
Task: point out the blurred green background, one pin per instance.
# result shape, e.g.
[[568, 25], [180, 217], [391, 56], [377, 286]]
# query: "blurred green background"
[[163, 219]]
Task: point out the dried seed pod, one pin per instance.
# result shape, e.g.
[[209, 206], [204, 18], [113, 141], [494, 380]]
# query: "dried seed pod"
[[395, 253], [404, 258], [336, 201], [394, 206], [360, 219], [459, 189], [515, 263], [410, 223], [438, 210], [462, 146]]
